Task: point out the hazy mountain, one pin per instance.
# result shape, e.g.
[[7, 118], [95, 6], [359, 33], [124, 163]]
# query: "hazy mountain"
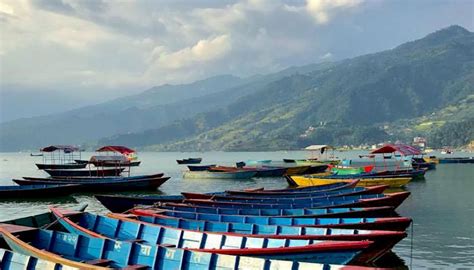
[[156, 107], [347, 102]]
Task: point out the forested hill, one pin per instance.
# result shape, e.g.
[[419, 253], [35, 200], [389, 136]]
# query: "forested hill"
[[353, 101]]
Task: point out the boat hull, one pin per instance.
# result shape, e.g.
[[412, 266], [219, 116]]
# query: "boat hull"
[[64, 247], [364, 182], [382, 211], [456, 160], [104, 185], [189, 161], [284, 198], [36, 191], [376, 223], [372, 200], [60, 166], [116, 164], [120, 204], [219, 175], [87, 173], [270, 248]]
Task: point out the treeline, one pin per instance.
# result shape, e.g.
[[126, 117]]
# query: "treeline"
[[453, 134]]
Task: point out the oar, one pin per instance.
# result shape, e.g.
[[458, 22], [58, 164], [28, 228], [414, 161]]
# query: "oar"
[[81, 209]]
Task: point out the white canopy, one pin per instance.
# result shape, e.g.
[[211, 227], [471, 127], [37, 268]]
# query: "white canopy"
[[315, 147]]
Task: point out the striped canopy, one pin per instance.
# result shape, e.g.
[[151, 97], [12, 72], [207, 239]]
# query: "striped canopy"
[[115, 148], [403, 149]]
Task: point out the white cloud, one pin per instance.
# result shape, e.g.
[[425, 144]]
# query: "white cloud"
[[204, 50], [105, 44], [322, 10]]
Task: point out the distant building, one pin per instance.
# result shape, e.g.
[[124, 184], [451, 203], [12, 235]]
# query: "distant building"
[[420, 142]]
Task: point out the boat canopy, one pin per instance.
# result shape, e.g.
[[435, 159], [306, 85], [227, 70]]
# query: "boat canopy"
[[65, 148], [319, 147], [114, 148], [404, 149], [116, 159]]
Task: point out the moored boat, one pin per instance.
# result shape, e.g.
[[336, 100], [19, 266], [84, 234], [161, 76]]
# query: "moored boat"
[[36, 191], [116, 203], [219, 175], [456, 160], [257, 196], [92, 179], [381, 211], [309, 218], [103, 185], [395, 182], [189, 161], [125, 229], [322, 188], [200, 167], [15, 261], [84, 173], [383, 240], [369, 200], [259, 171], [64, 248], [60, 157], [120, 204], [42, 166], [297, 170]]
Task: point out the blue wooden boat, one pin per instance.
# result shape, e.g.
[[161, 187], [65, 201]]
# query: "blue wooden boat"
[[16, 261], [369, 200], [381, 211], [89, 225], [219, 175], [305, 199], [383, 240], [194, 168], [287, 196], [36, 191], [103, 185], [378, 223], [84, 252], [120, 204]]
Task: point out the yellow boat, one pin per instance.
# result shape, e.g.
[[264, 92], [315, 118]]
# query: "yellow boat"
[[431, 159], [364, 182]]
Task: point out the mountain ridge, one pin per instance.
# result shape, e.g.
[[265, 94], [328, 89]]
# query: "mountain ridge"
[[422, 76]]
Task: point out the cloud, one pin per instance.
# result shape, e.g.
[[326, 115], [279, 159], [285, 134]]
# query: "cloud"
[[204, 50], [104, 44]]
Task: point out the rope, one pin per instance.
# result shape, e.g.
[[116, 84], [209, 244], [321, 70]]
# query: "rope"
[[411, 246]]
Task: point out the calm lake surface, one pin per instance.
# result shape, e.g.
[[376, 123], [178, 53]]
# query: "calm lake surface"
[[442, 205]]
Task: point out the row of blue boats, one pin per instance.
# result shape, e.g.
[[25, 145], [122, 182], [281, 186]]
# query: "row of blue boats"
[[336, 226]]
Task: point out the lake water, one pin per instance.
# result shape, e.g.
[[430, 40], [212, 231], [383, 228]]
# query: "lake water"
[[442, 205]]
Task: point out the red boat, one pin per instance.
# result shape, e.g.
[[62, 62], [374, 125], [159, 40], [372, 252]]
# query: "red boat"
[[300, 195], [393, 199]]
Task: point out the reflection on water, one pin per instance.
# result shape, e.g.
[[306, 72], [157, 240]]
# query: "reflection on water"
[[441, 205]]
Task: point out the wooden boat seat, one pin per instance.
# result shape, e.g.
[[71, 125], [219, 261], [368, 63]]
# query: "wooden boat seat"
[[136, 266], [135, 240], [168, 245], [99, 262]]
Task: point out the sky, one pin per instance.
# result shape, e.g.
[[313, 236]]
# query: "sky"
[[99, 49]]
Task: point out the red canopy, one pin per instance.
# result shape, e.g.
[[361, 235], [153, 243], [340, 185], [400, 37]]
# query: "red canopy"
[[65, 148], [404, 149], [114, 148]]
